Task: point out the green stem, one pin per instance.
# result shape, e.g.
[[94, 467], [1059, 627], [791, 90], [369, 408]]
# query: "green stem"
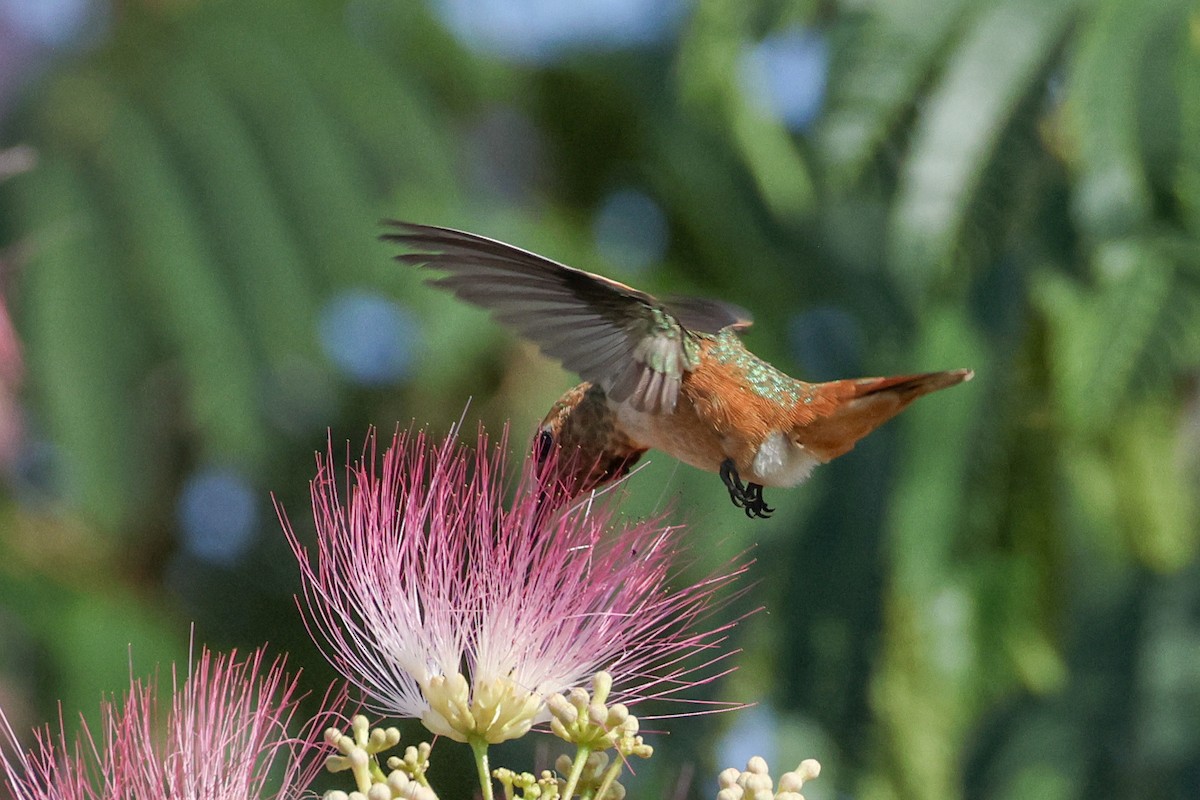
[[480, 748], [377, 774], [581, 756], [610, 775]]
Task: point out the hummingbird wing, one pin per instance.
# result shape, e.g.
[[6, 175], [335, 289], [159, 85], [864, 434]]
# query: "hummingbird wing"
[[705, 315], [613, 335]]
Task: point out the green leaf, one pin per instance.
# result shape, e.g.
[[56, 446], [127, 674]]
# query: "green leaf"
[[93, 637], [241, 218], [324, 188], [708, 68], [923, 687], [1157, 493], [1111, 195], [1188, 184], [878, 76], [84, 352], [166, 256], [997, 63], [381, 110], [935, 436], [1101, 333]]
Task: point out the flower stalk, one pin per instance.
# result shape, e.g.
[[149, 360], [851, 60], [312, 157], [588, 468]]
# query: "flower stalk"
[[480, 748]]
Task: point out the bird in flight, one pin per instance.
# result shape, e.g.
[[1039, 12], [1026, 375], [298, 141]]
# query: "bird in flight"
[[668, 374]]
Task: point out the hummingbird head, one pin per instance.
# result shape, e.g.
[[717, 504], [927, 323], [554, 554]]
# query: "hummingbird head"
[[577, 468]]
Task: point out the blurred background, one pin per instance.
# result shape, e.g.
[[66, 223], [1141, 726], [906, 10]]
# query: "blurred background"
[[995, 596]]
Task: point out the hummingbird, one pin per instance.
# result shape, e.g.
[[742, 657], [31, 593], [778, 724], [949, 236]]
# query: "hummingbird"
[[670, 374]]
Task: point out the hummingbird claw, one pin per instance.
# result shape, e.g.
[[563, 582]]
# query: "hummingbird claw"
[[756, 506], [747, 497]]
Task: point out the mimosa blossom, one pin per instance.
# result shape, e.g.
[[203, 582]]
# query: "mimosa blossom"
[[442, 604], [225, 736]]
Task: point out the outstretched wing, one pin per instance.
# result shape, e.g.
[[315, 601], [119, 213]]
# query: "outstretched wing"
[[624, 340], [705, 315]]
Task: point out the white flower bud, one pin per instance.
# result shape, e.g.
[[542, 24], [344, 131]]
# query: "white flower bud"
[[601, 685], [562, 709], [757, 782], [790, 782], [416, 791], [559, 730], [728, 777], [361, 727]]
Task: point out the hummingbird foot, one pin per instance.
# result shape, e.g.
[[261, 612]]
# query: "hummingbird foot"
[[746, 496]]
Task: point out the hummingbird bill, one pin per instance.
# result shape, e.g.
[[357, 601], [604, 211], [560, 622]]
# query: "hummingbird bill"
[[670, 374]]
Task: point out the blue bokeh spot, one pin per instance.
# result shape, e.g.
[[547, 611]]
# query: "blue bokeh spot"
[[785, 74], [370, 338], [54, 23], [631, 230], [218, 515], [542, 31]]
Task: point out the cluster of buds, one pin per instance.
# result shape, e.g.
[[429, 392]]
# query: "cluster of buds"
[[527, 786], [594, 727], [359, 752], [754, 782], [586, 721]]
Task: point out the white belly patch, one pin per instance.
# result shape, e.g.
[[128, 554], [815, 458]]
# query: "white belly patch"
[[781, 462]]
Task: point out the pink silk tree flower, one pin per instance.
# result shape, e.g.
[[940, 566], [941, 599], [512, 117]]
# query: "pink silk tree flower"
[[224, 737], [441, 603]]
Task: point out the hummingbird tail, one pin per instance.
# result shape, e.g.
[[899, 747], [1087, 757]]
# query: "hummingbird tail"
[[848, 410], [910, 387]]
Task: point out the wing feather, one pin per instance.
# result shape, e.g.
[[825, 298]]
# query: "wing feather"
[[706, 315], [613, 335]]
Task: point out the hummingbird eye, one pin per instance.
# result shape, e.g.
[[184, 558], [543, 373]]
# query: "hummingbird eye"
[[544, 446]]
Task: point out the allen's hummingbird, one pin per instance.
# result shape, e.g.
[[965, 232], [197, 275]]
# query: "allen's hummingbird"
[[670, 374]]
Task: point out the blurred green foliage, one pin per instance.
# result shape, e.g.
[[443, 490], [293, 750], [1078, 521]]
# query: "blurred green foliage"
[[994, 597]]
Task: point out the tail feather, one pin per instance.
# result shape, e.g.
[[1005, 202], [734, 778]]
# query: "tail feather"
[[912, 386], [855, 407]]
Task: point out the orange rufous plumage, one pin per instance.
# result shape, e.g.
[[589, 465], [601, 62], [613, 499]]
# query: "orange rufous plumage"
[[671, 375]]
